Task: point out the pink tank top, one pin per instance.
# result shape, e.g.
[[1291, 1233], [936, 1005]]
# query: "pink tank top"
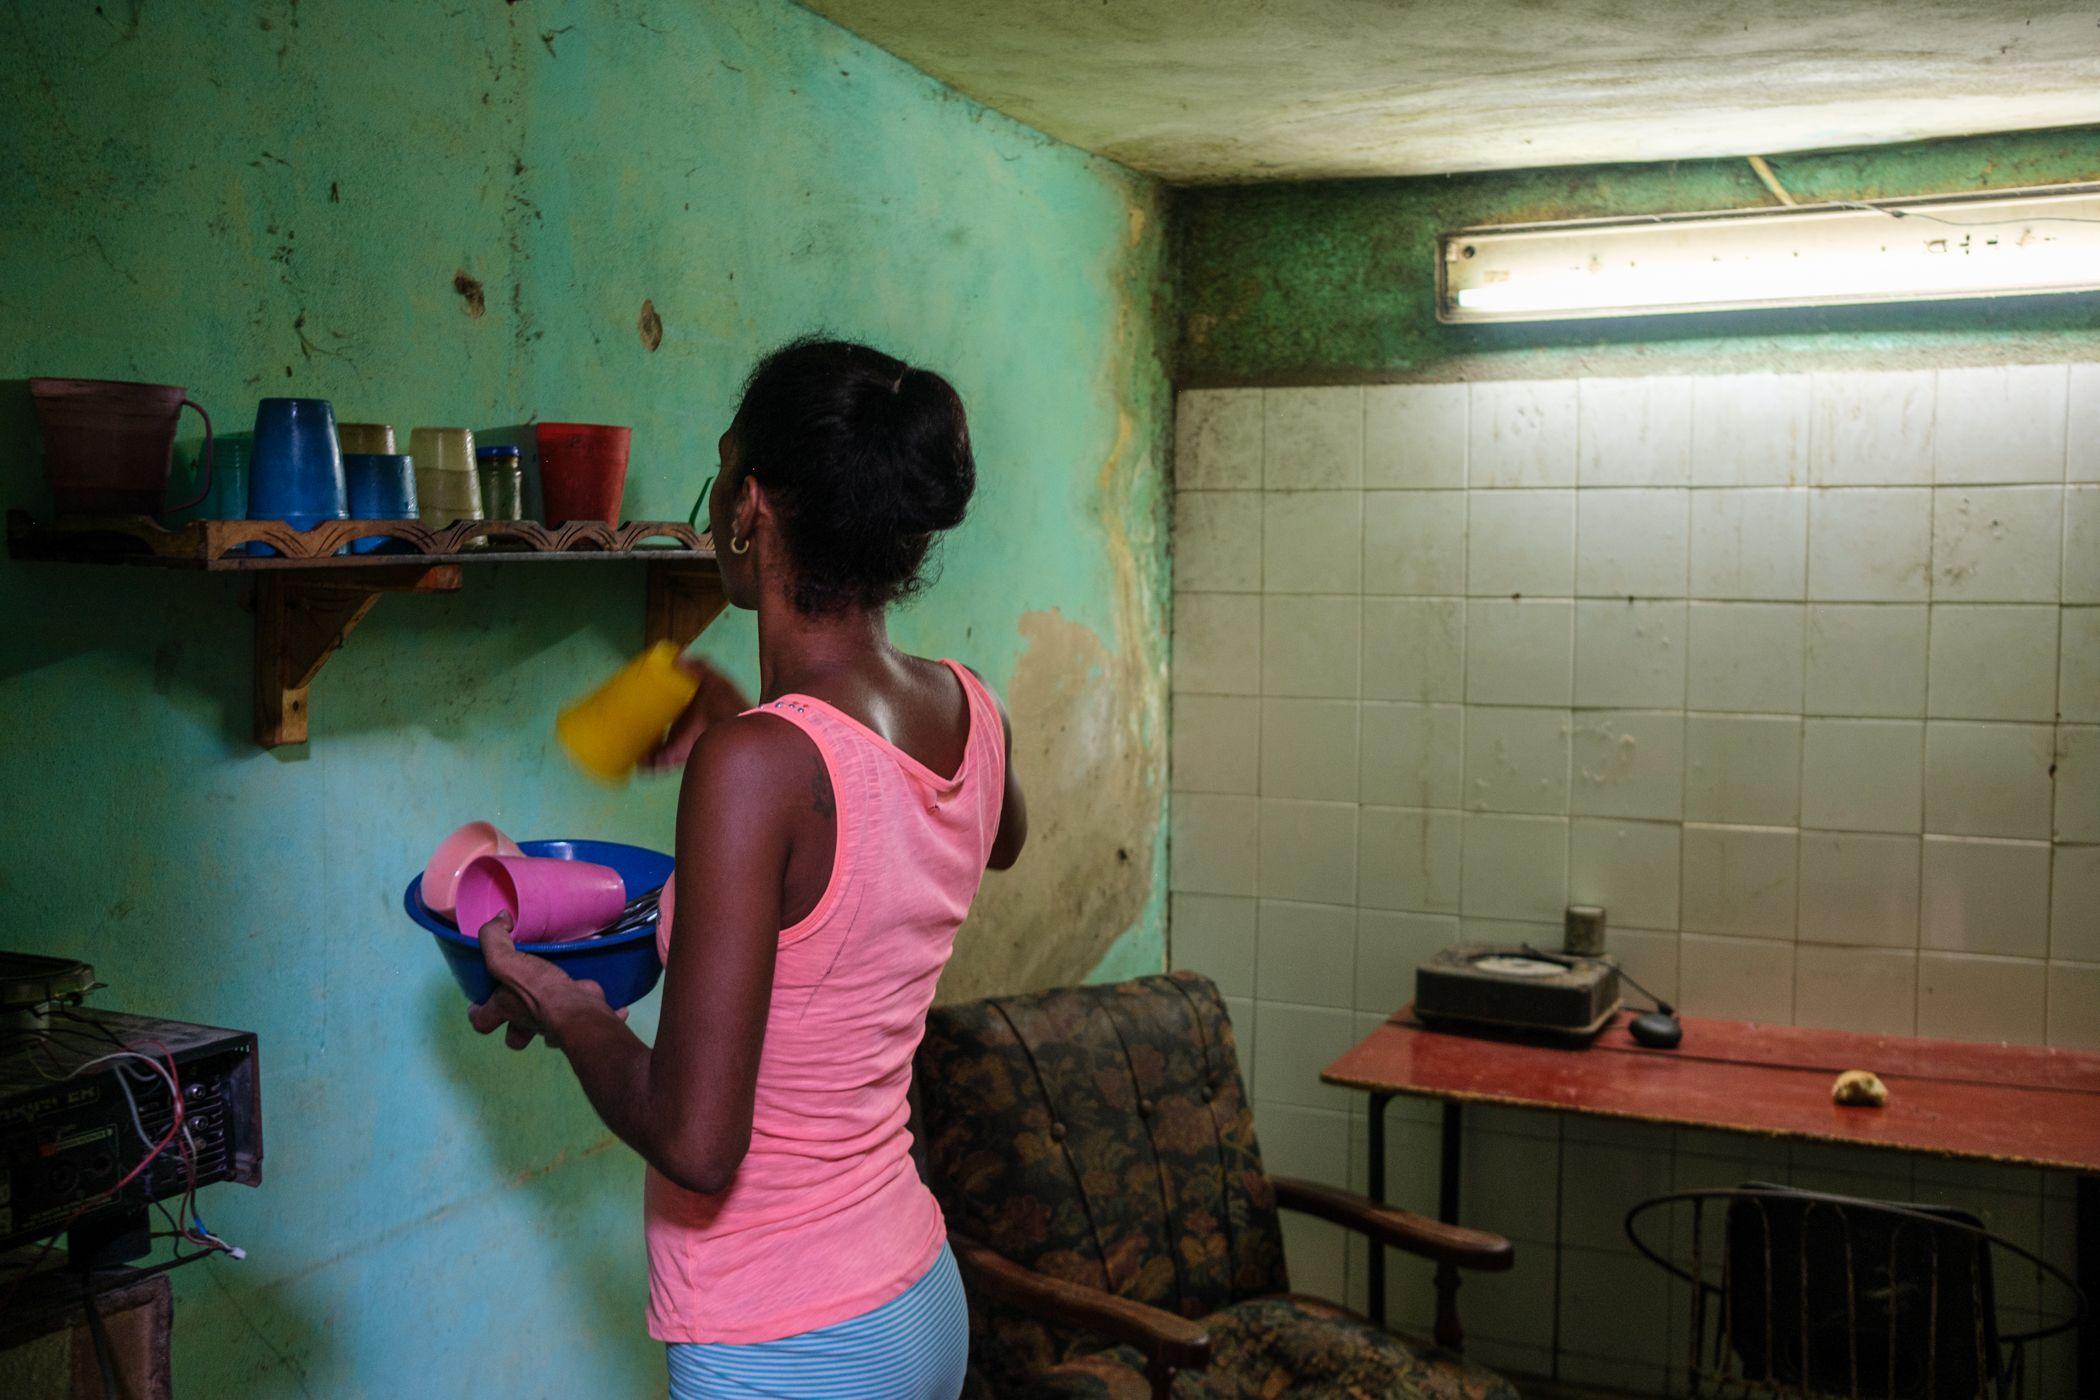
[[827, 1218]]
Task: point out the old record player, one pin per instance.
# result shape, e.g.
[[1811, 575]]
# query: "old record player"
[[1476, 985]]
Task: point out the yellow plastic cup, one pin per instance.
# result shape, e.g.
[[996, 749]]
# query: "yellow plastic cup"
[[610, 730]]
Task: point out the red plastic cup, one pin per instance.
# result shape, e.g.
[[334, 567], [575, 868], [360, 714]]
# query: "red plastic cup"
[[549, 901], [583, 471]]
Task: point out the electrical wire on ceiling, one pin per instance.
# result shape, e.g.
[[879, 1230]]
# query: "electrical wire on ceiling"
[[1770, 180], [1959, 223]]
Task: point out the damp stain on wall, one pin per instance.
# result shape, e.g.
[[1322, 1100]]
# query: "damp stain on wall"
[[472, 299], [243, 210], [1334, 282], [1100, 704], [1088, 872], [1090, 720]]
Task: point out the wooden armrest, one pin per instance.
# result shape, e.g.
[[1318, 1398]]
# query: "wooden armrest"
[[1165, 1338], [1402, 1229]]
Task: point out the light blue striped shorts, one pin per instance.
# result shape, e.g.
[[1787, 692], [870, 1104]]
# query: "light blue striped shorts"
[[914, 1347]]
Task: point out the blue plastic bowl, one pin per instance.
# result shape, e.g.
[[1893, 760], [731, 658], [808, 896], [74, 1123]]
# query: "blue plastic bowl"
[[624, 964]]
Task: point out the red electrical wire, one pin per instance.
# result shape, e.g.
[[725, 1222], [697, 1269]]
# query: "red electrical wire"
[[176, 1117]]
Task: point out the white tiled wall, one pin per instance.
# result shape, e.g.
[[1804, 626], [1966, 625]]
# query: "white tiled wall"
[[1798, 675]]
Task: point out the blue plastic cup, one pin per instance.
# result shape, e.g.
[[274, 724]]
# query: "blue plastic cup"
[[228, 497], [382, 487], [296, 474]]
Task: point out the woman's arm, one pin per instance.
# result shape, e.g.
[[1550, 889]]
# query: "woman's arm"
[[1013, 809], [686, 1104]]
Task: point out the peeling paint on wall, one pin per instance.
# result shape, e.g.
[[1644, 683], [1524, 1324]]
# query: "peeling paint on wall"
[[297, 199], [1089, 870], [1089, 717]]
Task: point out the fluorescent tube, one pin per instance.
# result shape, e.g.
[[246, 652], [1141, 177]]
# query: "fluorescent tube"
[[2011, 244]]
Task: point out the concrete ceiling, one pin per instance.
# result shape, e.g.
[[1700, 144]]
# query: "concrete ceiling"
[[1215, 91]]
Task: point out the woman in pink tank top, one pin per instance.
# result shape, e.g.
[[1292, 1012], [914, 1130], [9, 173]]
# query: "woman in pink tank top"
[[829, 844]]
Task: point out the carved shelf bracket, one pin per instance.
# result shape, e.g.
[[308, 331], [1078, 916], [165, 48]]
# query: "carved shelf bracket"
[[683, 600], [301, 622]]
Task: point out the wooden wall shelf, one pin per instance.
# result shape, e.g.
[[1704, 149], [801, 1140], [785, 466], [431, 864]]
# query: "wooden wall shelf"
[[221, 546], [308, 598]]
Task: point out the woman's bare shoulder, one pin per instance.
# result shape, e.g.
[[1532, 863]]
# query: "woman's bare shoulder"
[[998, 702], [744, 752]]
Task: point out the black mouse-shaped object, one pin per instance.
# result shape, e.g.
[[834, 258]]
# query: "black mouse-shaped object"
[[1656, 1030]]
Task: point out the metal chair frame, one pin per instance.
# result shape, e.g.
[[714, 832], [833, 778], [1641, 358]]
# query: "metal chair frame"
[[2000, 1358]]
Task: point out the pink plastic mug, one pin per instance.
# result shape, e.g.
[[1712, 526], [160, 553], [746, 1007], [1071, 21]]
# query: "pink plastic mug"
[[453, 855], [548, 900]]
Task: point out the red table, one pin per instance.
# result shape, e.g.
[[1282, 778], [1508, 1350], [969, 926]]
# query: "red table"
[[2021, 1105]]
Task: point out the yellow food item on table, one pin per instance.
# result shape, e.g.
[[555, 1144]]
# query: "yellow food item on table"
[[1859, 1087]]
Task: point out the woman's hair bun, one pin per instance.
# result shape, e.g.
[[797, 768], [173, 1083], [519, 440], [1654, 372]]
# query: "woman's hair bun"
[[939, 474], [866, 459]]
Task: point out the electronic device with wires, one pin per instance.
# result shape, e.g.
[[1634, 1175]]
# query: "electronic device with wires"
[[103, 1114], [1517, 988], [1571, 995]]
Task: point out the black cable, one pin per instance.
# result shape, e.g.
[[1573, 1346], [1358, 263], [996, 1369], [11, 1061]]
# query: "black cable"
[[73, 1012], [1660, 1004], [105, 1361], [40, 1038], [138, 1272], [1571, 960]]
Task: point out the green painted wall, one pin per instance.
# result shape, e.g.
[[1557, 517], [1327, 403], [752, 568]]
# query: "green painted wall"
[[275, 198], [1335, 282]]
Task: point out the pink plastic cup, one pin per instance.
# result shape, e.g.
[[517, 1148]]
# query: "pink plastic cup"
[[453, 855], [548, 900]]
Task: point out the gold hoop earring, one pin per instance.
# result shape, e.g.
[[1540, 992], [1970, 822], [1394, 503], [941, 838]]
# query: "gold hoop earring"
[[737, 546]]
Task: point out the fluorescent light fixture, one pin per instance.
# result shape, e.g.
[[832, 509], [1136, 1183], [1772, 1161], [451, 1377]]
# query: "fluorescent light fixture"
[[2017, 243]]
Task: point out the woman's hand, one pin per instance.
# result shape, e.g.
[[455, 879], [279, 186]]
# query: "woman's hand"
[[716, 700], [503, 1008], [533, 996]]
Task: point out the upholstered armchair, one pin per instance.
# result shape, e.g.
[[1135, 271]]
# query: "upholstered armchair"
[[1095, 1154]]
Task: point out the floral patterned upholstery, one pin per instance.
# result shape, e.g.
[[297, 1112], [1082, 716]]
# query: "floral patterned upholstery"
[[1102, 1135], [1282, 1348]]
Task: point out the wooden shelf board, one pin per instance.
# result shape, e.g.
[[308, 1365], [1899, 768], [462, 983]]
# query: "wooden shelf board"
[[309, 598], [219, 546], [352, 564]]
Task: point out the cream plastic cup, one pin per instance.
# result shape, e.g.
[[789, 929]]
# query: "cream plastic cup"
[[374, 438]]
